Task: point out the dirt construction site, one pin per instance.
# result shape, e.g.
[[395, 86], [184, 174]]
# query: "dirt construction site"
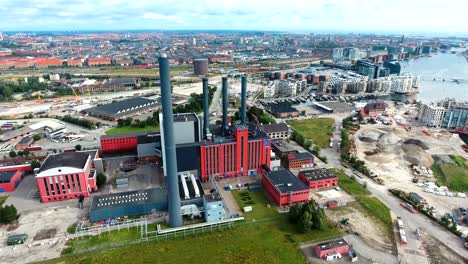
[[47, 234], [389, 152]]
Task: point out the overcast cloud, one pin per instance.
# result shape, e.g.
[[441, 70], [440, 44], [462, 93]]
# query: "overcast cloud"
[[401, 16]]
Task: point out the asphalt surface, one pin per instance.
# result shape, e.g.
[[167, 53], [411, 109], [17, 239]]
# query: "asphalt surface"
[[411, 252]]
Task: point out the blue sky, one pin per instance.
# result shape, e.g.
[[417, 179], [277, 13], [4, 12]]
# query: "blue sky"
[[399, 16]]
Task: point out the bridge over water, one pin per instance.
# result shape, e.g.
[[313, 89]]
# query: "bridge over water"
[[441, 79]]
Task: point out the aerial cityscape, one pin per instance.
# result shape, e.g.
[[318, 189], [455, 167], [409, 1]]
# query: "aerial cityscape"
[[233, 132]]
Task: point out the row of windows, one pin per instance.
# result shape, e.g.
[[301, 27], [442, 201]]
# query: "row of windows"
[[62, 184], [58, 198]]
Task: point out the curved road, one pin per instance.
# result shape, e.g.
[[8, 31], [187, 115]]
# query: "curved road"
[[412, 252]]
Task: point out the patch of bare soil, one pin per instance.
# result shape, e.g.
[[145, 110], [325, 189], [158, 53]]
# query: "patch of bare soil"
[[438, 253], [45, 234]]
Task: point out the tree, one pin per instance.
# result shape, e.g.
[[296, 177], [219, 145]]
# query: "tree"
[[35, 164], [78, 147], [120, 122], [36, 137], [295, 212], [305, 222], [26, 152], [128, 121], [12, 154], [100, 179], [8, 214]]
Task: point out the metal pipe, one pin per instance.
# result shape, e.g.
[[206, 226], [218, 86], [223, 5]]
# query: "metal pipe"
[[225, 106], [175, 216], [243, 99], [206, 107]]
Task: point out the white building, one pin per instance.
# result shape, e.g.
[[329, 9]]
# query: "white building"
[[54, 77], [269, 90], [430, 115], [337, 54]]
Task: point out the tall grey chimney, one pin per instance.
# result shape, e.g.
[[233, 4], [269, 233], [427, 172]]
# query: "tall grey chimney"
[[225, 106], [206, 107], [243, 99], [175, 216]]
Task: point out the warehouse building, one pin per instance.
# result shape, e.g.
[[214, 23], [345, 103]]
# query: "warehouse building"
[[318, 178], [24, 143], [127, 204], [67, 175], [284, 111], [11, 176], [282, 149], [276, 131], [123, 109], [285, 188]]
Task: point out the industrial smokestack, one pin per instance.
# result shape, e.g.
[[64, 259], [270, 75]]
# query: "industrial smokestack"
[[243, 99], [206, 111], [225, 105], [175, 216]]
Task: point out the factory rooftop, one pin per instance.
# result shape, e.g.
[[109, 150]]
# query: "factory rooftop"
[[285, 181], [301, 156], [5, 176], [318, 174], [274, 128], [71, 159], [123, 106]]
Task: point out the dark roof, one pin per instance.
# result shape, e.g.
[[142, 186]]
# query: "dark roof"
[[183, 117], [128, 199], [190, 188], [122, 106], [153, 137], [416, 197], [285, 181], [5, 176], [122, 81], [25, 140], [66, 159], [332, 244], [273, 128], [282, 145], [282, 109], [318, 174], [301, 156], [213, 197]]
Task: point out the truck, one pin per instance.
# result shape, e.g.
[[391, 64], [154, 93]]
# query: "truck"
[[408, 207], [34, 148]]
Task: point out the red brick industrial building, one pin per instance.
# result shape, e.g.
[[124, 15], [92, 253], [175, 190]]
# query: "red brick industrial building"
[[373, 109], [98, 61], [67, 175], [332, 247], [318, 178], [300, 160], [285, 188], [11, 176]]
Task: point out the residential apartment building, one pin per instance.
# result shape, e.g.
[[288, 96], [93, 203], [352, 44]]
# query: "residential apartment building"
[[431, 115]]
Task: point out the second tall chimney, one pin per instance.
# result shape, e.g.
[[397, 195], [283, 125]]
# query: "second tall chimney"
[[225, 106], [243, 99], [206, 108]]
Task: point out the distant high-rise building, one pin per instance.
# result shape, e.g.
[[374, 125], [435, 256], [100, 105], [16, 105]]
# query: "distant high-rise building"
[[194, 41], [241, 41], [275, 41], [200, 66], [1, 36]]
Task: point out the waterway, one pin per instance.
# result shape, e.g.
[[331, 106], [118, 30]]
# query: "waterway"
[[439, 65]]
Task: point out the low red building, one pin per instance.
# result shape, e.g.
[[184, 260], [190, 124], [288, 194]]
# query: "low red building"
[[300, 160], [11, 176], [332, 247], [67, 175], [119, 143], [318, 178], [98, 61], [373, 109], [24, 143], [74, 63], [285, 188], [44, 63]]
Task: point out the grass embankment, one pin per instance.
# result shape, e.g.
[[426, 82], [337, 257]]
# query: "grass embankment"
[[3, 199], [454, 176], [131, 129], [317, 130], [139, 72], [265, 237], [374, 207]]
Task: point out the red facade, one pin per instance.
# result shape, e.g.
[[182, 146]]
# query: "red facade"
[[67, 186], [317, 184], [239, 158], [283, 199], [342, 249], [19, 170], [295, 164], [119, 144]]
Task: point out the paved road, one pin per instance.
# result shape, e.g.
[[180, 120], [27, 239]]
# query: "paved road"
[[369, 252], [412, 251]]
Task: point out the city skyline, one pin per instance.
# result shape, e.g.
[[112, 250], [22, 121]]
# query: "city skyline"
[[415, 17]]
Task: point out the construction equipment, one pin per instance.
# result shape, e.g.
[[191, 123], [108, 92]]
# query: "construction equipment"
[[77, 97]]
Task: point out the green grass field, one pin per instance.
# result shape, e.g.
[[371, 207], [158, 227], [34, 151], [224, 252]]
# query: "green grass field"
[[318, 130], [260, 209], [273, 241], [129, 129], [266, 237], [455, 177], [348, 184]]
